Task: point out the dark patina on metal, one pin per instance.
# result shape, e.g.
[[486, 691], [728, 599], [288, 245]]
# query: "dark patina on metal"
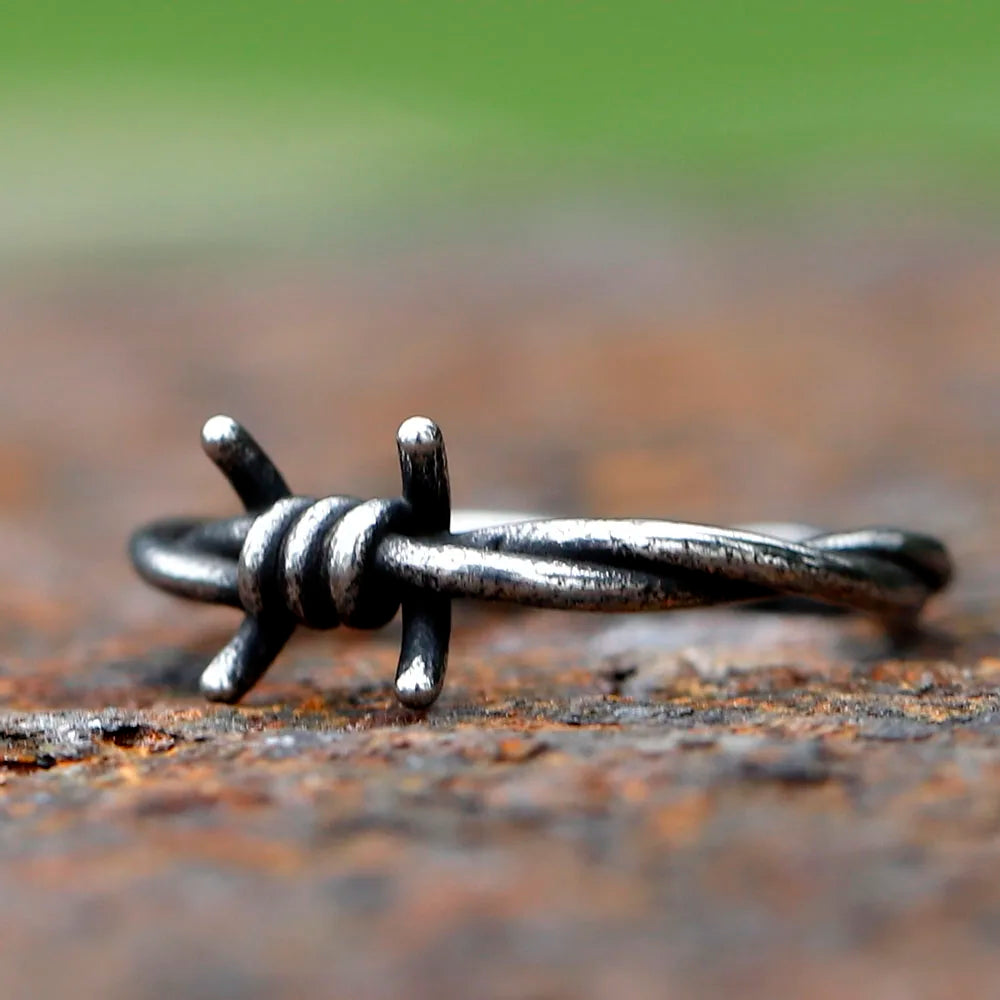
[[343, 560]]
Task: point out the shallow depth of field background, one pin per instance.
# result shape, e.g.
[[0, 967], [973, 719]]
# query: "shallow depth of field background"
[[622, 252], [247, 127]]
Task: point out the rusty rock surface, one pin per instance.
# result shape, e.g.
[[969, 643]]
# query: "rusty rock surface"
[[666, 805]]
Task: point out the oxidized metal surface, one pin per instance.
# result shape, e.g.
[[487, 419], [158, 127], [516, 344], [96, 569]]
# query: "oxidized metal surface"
[[340, 559], [661, 805]]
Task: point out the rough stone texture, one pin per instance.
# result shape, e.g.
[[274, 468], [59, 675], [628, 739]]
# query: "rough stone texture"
[[651, 806]]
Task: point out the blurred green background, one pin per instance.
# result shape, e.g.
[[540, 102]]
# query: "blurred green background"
[[152, 125]]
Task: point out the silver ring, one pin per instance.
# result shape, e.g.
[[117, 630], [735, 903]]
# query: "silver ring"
[[296, 560]]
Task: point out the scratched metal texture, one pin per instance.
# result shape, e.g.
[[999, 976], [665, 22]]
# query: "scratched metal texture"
[[696, 804]]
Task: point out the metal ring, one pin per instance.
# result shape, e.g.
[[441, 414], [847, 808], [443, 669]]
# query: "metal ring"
[[295, 560]]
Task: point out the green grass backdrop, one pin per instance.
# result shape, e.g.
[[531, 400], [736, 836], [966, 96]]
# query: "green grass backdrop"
[[155, 121]]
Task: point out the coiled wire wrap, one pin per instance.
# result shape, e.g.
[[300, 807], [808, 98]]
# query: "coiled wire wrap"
[[296, 560]]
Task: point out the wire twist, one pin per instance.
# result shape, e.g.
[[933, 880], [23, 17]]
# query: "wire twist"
[[341, 560]]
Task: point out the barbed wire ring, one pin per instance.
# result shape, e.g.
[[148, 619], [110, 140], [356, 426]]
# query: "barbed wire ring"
[[293, 559]]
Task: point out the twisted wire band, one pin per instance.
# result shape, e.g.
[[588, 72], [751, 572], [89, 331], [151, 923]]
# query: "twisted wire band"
[[297, 560]]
